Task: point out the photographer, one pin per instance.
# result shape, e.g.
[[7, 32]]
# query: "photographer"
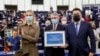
[[3, 26]]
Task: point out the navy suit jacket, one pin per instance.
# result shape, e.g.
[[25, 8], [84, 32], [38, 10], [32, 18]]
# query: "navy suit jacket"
[[50, 51], [80, 41]]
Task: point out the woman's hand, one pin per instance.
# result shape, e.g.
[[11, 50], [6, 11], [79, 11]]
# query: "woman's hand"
[[22, 32], [10, 44]]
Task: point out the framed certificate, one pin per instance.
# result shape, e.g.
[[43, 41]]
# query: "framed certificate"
[[54, 38]]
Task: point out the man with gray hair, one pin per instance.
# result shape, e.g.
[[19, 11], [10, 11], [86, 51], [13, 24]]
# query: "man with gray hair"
[[55, 26]]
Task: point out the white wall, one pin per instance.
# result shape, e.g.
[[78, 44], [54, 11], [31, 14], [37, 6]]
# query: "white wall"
[[1, 5], [26, 4], [79, 4], [97, 1], [21, 5], [72, 4], [47, 4]]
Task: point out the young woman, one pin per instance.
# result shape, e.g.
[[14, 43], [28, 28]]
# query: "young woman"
[[30, 34]]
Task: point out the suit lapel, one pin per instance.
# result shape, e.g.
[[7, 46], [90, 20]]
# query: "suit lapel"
[[50, 27], [57, 27], [73, 29]]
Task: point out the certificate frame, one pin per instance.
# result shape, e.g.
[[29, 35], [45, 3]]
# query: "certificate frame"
[[50, 39]]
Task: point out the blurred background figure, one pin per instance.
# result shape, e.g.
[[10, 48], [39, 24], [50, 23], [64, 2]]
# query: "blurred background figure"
[[64, 21], [47, 23], [20, 21], [96, 33], [3, 26], [9, 21], [51, 9], [88, 19]]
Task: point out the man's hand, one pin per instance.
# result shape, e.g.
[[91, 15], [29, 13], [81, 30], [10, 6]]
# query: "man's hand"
[[64, 46], [55, 47], [91, 54]]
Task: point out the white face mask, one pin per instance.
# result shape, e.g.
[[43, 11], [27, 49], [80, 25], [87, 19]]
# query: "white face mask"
[[54, 21], [64, 22], [29, 18]]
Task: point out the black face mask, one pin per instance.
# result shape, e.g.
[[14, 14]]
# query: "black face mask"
[[76, 18]]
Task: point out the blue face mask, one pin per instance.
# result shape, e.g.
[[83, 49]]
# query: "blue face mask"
[[29, 18], [54, 21]]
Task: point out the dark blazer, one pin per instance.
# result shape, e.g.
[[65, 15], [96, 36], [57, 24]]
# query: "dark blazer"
[[80, 41], [50, 51]]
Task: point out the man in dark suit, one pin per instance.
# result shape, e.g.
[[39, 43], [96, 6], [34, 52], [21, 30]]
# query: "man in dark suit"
[[77, 34], [55, 26]]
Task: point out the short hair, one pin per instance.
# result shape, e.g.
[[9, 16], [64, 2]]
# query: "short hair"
[[15, 30], [54, 13], [76, 9]]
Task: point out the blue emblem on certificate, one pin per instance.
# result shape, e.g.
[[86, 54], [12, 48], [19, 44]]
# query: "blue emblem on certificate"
[[54, 38]]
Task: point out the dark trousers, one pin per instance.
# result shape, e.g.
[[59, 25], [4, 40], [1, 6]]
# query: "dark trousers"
[[26, 55], [58, 52], [99, 45], [80, 54], [54, 52]]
